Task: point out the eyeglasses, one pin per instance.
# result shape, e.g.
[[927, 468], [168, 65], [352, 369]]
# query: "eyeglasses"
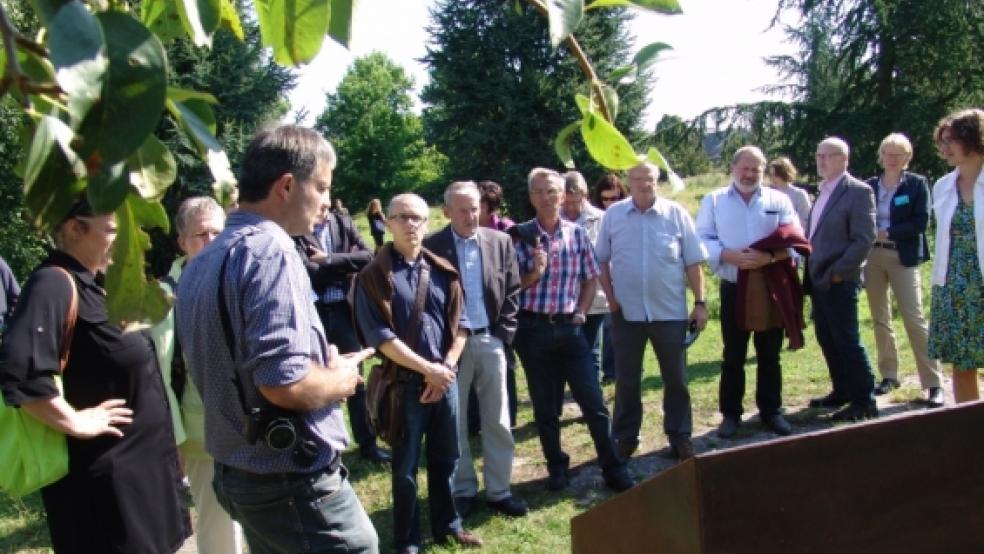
[[412, 219], [607, 198]]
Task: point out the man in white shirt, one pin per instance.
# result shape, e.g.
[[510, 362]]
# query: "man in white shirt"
[[730, 220]]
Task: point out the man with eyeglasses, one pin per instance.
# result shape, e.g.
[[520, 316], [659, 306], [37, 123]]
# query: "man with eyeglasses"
[[426, 346], [559, 276], [841, 231]]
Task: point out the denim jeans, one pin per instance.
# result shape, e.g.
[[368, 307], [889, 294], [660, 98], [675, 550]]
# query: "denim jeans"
[[339, 330], [439, 421], [607, 348], [835, 319], [281, 513], [592, 334], [553, 354]]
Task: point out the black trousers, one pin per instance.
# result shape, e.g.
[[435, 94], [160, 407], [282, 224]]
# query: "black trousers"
[[337, 320], [768, 391]]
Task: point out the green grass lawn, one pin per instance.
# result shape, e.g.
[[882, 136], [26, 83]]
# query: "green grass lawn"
[[547, 528]]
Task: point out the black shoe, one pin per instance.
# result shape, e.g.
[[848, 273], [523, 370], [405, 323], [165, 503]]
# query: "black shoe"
[[829, 401], [778, 424], [558, 481], [510, 506], [935, 397], [857, 412], [375, 454], [618, 480], [729, 426], [463, 505], [682, 448], [625, 449], [886, 386]]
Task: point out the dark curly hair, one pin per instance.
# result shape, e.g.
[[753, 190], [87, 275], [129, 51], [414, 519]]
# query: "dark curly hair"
[[607, 182], [491, 194], [966, 128]]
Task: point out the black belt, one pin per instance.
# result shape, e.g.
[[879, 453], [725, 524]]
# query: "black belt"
[[480, 331], [332, 467], [886, 245], [552, 319]]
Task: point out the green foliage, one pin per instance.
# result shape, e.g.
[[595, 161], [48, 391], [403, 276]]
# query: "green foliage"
[[864, 70], [20, 244], [683, 144], [499, 93], [370, 122]]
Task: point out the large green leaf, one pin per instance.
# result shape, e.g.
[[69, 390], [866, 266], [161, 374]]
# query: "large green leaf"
[[107, 187], [647, 55], [47, 9], [340, 24], [606, 144], [295, 29], [152, 168], [132, 96], [564, 16], [562, 144], [196, 120], [611, 100], [655, 156], [131, 300], [668, 7], [200, 18], [78, 52], [230, 20], [181, 95], [39, 70], [162, 18], [53, 174]]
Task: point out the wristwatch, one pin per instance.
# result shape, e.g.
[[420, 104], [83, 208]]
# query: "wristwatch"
[[580, 315], [700, 303]]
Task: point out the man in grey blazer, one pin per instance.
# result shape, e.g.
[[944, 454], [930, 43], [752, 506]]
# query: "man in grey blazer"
[[486, 260], [841, 230]]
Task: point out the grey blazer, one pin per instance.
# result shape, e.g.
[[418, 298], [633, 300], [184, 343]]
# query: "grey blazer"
[[844, 236], [500, 275]]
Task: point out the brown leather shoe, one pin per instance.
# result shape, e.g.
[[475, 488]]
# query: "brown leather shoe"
[[464, 538]]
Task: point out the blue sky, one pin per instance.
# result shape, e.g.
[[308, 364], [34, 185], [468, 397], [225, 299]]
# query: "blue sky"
[[718, 47]]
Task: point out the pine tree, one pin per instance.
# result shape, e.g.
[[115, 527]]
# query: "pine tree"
[[499, 94]]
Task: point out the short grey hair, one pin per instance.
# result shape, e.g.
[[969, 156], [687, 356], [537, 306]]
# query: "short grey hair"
[[469, 188], [195, 207], [538, 172], [405, 198], [653, 168], [574, 183], [749, 149], [837, 143]]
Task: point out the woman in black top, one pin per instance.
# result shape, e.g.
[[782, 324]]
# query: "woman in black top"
[[377, 221], [121, 493]]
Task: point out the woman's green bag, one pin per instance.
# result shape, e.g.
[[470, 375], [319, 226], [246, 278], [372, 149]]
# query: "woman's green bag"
[[32, 454]]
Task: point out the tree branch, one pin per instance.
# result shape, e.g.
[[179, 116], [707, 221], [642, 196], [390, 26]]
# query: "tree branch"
[[13, 70], [582, 59]]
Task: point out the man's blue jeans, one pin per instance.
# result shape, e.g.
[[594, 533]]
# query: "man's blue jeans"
[[553, 353], [315, 512], [439, 421], [835, 319]]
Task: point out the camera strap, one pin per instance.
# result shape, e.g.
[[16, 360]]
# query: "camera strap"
[[226, 321], [417, 315]]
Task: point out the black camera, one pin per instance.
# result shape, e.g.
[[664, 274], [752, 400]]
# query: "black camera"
[[281, 432]]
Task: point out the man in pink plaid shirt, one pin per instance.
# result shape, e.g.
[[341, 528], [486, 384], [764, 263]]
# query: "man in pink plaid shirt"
[[559, 277]]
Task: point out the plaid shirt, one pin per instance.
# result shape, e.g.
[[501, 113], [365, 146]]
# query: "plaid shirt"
[[570, 260]]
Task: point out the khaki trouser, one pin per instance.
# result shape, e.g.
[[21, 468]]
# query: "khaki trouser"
[[882, 271]]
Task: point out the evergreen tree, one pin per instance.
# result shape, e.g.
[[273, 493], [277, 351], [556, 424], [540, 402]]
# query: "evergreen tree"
[[499, 93], [379, 140]]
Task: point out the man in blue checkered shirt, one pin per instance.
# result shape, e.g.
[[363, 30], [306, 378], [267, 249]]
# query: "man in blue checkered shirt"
[[559, 278]]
